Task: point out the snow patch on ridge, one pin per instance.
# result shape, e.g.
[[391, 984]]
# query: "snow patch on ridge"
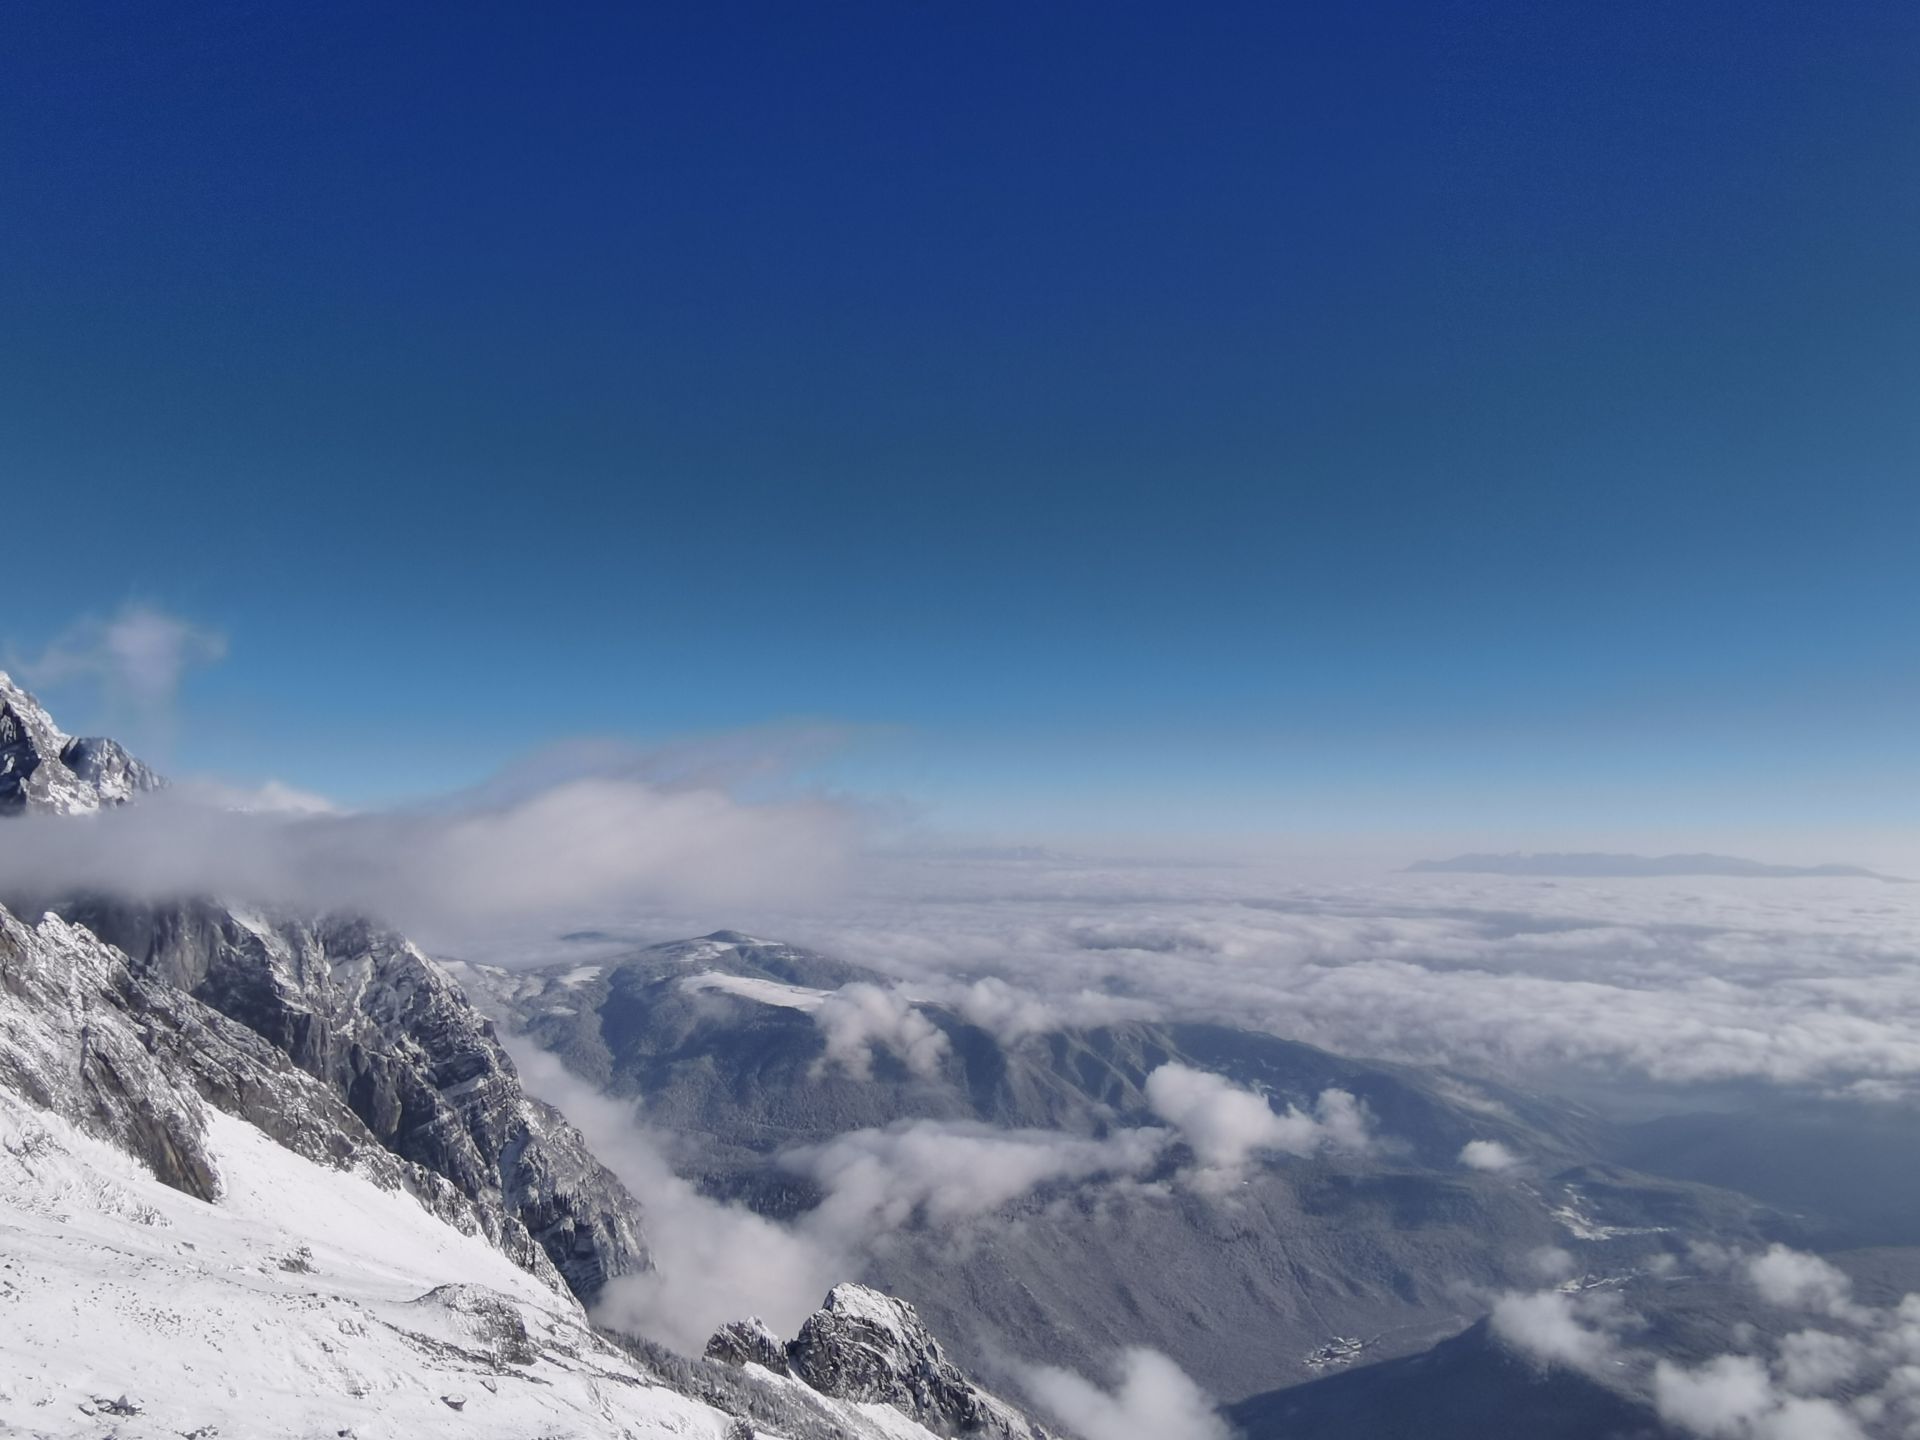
[[766, 992]]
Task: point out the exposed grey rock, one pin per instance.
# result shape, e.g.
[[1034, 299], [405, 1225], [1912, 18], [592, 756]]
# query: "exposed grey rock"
[[361, 1009], [748, 1342], [137, 1063], [116, 777], [70, 1043], [866, 1346], [871, 1348], [494, 1320]]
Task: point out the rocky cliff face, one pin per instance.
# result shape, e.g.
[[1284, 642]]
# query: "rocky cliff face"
[[864, 1346], [748, 1342], [363, 1011], [139, 1064], [43, 769]]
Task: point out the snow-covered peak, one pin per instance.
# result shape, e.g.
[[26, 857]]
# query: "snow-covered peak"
[[30, 711], [43, 769]]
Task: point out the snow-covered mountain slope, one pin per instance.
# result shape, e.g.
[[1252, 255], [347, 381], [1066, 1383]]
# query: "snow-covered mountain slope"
[[44, 769], [351, 1005], [309, 1302], [305, 1301]]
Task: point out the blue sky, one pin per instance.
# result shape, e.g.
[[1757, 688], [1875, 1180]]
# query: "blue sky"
[[1434, 417]]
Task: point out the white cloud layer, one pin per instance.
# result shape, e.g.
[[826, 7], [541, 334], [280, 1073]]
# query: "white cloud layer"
[[1557, 1328], [1225, 1125], [584, 842], [1154, 1400], [1795, 1280]]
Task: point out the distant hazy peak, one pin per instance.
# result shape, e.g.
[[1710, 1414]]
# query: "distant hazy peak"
[[1598, 865]]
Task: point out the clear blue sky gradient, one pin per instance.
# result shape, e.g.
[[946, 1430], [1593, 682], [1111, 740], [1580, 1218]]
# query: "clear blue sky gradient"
[[1252, 415]]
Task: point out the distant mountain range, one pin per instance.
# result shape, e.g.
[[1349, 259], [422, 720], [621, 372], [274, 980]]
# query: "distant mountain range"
[[1598, 865]]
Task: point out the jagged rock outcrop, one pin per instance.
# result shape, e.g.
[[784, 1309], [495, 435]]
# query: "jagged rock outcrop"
[[748, 1342], [361, 1009], [44, 769], [870, 1347]]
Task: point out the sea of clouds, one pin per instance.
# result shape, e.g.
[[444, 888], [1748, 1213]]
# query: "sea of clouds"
[[1808, 984]]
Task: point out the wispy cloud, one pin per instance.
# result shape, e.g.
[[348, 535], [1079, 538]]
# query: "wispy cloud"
[[713, 1262], [1225, 1124], [137, 657], [859, 1018], [1820, 1383], [946, 1172]]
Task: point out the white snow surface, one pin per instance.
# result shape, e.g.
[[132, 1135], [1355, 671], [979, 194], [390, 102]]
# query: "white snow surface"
[[875, 1307], [305, 1303], [308, 1302], [766, 992]]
